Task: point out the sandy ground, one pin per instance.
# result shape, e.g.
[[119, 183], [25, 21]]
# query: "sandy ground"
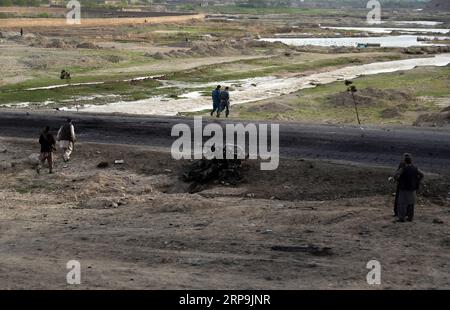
[[61, 22], [134, 225], [31, 10]]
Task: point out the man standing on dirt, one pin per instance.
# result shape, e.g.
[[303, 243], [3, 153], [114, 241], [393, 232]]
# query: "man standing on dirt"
[[225, 102], [216, 100], [47, 142], [66, 138], [408, 179], [400, 166]]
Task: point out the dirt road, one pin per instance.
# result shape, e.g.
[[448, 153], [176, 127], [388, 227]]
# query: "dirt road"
[[372, 145]]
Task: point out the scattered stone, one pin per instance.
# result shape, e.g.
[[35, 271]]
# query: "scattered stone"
[[438, 221], [103, 165], [34, 158], [4, 166], [119, 162]]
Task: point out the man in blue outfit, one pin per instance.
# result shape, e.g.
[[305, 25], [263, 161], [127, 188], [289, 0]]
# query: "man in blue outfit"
[[216, 100], [225, 102]]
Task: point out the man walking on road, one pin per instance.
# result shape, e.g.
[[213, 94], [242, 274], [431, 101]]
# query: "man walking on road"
[[66, 138], [225, 101], [408, 179], [216, 100]]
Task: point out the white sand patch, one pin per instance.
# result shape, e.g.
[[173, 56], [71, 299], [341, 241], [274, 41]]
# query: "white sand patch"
[[140, 78], [63, 85], [19, 105], [415, 22]]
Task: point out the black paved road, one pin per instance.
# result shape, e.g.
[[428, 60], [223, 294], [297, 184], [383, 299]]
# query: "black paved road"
[[376, 145]]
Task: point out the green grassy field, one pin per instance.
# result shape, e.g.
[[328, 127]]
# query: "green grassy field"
[[234, 70], [67, 95], [392, 98]]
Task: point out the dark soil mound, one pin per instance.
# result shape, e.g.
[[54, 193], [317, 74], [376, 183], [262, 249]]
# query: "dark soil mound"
[[270, 107], [439, 119], [447, 109], [369, 96], [214, 171], [390, 113]]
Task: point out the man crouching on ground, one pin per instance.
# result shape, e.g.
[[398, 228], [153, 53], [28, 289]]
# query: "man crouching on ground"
[[66, 138]]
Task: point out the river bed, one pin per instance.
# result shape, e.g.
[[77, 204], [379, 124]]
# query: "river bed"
[[255, 89]]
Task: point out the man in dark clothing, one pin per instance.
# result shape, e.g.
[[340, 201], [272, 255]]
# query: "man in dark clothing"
[[47, 142], [225, 102], [216, 100], [400, 166], [408, 179]]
